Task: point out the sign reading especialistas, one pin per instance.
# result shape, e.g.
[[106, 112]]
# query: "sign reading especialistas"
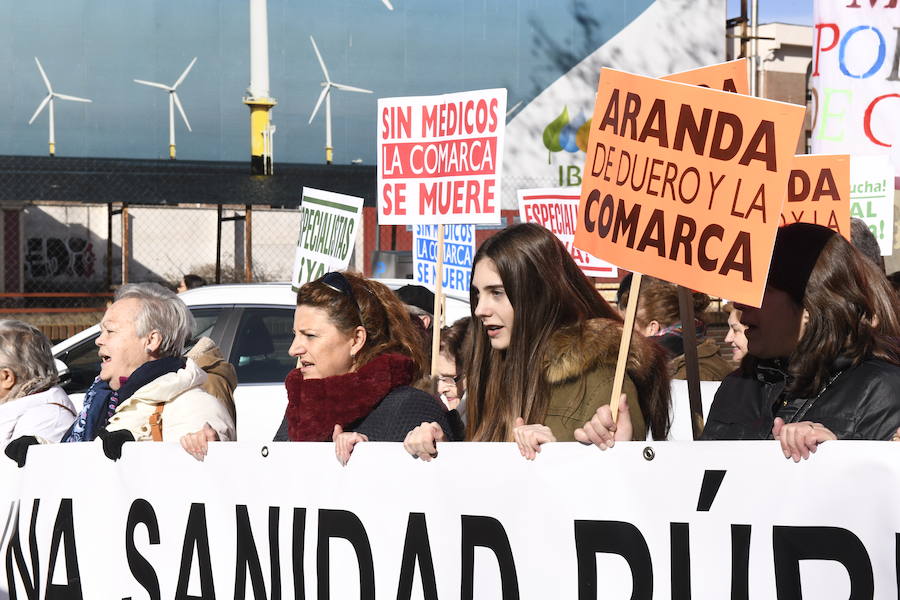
[[459, 249], [440, 158], [286, 520], [557, 210], [329, 224], [686, 183]]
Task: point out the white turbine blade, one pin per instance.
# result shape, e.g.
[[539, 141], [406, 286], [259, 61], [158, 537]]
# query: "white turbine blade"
[[321, 62], [43, 75], [40, 108], [324, 93], [153, 84], [75, 98], [183, 75], [181, 110], [350, 88], [388, 4]]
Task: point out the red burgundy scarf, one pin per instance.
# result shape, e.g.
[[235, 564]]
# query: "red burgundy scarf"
[[315, 406]]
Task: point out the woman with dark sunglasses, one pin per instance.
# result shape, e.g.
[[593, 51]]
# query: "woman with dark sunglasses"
[[358, 357]]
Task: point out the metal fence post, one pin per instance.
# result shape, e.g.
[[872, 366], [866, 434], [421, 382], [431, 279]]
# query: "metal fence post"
[[248, 243], [219, 243], [126, 246]]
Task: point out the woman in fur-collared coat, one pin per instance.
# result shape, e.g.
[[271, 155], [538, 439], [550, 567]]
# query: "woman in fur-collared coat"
[[545, 350]]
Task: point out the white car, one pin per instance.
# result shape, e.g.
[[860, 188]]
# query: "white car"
[[252, 325]]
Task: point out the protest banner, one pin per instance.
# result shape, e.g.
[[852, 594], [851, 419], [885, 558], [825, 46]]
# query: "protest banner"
[[286, 520], [729, 76], [855, 85], [686, 183], [459, 248], [557, 210], [440, 158], [329, 225], [818, 192], [872, 197]]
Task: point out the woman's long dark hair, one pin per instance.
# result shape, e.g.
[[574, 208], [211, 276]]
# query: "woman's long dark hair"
[[852, 314], [547, 291]]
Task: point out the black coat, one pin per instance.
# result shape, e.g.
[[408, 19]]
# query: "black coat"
[[858, 403], [401, 411]]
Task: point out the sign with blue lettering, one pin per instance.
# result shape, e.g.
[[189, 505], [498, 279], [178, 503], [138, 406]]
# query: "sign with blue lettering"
[[459, 248]]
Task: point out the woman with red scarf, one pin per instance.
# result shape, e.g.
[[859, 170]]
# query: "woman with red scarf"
[[358, 357]]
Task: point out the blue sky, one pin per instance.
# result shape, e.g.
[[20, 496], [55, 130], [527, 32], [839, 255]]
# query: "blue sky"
[[796, 12]]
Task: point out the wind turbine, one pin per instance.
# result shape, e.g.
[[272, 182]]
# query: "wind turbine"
[[326, 96], [388, 4], [173, 102], [48, 100]]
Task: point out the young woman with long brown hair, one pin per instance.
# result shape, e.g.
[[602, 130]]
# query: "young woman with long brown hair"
[[823, 356], [545, 350]]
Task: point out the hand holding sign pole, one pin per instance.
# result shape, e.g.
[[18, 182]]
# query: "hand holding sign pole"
[[686, 183]]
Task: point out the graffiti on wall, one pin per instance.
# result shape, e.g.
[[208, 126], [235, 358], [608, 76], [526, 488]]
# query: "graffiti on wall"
[[54, 258]]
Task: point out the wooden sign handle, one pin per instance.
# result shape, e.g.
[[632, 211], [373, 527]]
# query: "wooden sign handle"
[[625, 343], [692, 365], [438, 319]]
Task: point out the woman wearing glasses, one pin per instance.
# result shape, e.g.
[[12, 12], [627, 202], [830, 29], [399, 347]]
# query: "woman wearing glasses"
[[358, 355], [545, 349]]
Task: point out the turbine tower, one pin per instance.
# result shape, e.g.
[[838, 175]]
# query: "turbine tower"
[[327, 85], [173, 102], [48, 101], [262, 131]]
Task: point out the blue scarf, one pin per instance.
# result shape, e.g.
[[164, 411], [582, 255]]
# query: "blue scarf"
[[100, 401]]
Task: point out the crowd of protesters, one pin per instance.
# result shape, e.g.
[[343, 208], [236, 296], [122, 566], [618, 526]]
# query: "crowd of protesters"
[[534, 364]]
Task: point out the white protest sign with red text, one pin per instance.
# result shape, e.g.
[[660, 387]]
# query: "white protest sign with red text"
[[440, 158], [557, 210]]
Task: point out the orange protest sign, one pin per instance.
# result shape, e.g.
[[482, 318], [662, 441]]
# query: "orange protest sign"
[[729, 76], [686, 183], [818, 192]]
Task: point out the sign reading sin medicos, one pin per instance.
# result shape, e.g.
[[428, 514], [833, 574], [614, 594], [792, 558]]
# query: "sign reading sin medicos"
[[686, 183], [440, 158]]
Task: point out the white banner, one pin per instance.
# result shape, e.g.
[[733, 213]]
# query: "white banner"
[[643, 520], [329, 225], [856, 88], [872, 197], [459, 249], [557, 210], [440, 158]]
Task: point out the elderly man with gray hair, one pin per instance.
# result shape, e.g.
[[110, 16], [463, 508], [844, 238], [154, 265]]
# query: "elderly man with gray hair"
[[146, 390], [30, 401]]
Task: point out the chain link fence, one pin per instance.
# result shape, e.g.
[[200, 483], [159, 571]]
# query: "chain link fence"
[[74, 229]]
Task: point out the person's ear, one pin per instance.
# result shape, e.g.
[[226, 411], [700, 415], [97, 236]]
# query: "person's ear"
[[154, 342], [359, 340], [426, 320], [652, 328], [7, 379]]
